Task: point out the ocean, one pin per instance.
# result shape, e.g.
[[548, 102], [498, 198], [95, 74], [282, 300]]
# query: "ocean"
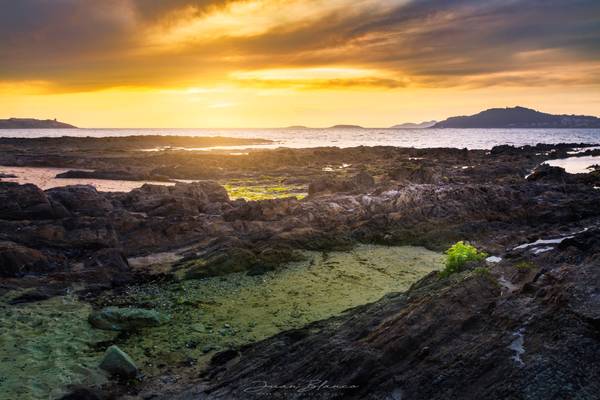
[[343, 137]]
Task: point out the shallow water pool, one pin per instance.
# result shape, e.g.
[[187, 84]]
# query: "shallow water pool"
[[47, 345]]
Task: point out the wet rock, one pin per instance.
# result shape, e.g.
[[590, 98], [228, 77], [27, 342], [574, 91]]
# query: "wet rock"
[[180, 199], [19, 202], [82, 199], [547, 173], [113, 175], [363, 180], [222, 262], [360, 182], [112, 259], [39, 294], [17, 260], [117, 363], [125, 319], [505, 149], [108, 267], [415, 174]]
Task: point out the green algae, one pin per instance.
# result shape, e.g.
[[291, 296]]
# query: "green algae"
[[46, 346], [262, 189], [218, 313]]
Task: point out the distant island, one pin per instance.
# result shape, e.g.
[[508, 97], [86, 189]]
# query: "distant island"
[[519, 117], [346, 127], [32, 123], [412, 125], [296, 127]]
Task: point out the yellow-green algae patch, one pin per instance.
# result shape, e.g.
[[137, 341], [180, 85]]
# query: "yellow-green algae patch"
[[218, 313], [263, 189], [45, 346]]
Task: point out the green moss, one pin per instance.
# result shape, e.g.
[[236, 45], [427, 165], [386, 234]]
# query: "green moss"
[[485, 273], [47, 345], [458, 256], [482, 271], [524, 266]]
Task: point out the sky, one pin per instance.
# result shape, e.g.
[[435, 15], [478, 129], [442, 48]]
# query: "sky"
[[274, 63]]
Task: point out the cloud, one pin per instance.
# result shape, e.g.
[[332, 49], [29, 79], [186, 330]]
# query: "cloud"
[[79, 45]]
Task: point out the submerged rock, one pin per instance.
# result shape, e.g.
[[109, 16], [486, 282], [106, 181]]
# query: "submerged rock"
[[116, 362], [125, 319]]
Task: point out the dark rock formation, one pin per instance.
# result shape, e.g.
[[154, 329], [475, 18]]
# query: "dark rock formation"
[[485, 333], [25, 202], [550, 174], [80, 199], [181, 199], [360, 182], [446, 338], [17, 260], [113, 175]]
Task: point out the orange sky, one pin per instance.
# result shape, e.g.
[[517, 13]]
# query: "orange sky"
[[228, 63]]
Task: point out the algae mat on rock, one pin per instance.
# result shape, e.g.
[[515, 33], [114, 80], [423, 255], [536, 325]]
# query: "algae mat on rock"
[[223, 312], [45, 346]]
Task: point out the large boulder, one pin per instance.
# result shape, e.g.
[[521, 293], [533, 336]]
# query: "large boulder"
[[180, 199], [83, 199], [546, 173], [17, 260], [19, 202], [125, 319], [107, 268], [117, 363]]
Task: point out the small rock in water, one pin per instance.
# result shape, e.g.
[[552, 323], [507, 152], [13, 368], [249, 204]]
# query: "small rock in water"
[[125, 319], [118, 363]]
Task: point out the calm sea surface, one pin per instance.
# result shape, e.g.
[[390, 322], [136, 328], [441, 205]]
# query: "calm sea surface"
[[298, 138]]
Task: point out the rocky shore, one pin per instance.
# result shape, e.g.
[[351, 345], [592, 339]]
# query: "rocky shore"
[[523, 324]]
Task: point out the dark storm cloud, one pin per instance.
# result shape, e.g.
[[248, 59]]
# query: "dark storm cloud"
[[87, 43]]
